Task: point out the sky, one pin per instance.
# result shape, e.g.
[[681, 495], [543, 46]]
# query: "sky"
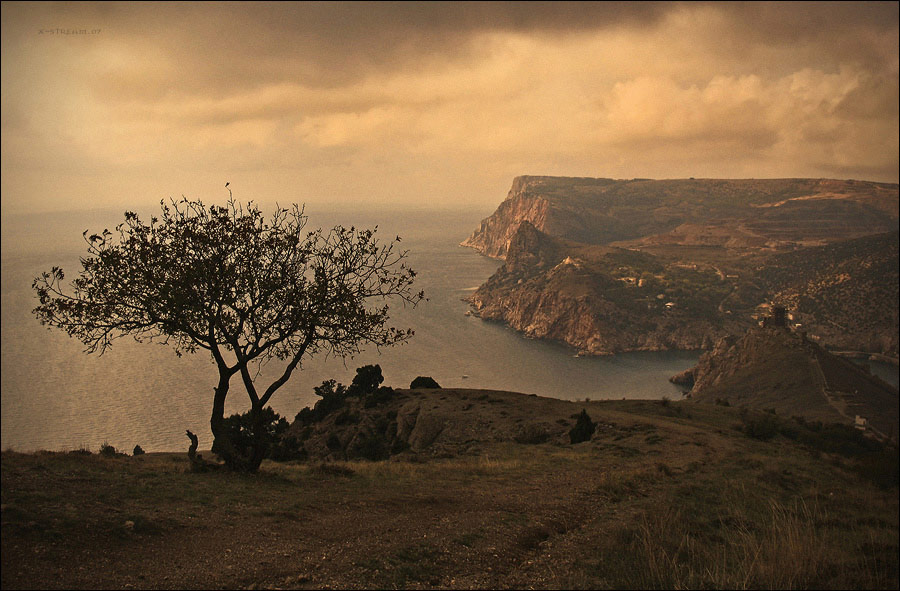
[[433, 104]]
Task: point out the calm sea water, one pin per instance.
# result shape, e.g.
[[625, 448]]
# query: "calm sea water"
[[54, 396]]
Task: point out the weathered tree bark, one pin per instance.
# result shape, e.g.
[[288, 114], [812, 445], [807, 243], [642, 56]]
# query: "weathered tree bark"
[[234, 458], [198, 464], [222, 444]]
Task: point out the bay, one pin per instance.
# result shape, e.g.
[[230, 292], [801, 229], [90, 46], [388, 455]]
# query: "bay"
[[54, 396]]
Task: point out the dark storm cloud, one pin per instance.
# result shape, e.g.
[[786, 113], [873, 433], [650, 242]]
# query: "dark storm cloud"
[[447, 98]]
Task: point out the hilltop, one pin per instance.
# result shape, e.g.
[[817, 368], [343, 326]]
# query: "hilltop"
[[774, 369], [613, 266], [733, 213], [499, 497]]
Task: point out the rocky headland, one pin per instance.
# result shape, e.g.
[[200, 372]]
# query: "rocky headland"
[[610, 266]]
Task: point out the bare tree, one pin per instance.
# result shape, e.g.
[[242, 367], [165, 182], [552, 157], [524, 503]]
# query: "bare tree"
[[248, 290]]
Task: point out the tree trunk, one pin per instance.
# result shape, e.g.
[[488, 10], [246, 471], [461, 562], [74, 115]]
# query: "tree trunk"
[[260, 443], [234, 458], [222, 444]]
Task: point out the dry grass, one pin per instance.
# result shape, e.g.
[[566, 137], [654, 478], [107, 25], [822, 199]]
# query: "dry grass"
[[652, 501]]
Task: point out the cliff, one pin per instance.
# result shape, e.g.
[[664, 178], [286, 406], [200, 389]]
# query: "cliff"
[[778, 370], [750, 213], [610, 266], [591, 298]]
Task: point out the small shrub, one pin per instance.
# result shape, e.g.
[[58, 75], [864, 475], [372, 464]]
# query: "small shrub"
[[367, 380], [379, 396], [333, 442], [424, 382], [138, 451], [532, 433], [108, 451], [583, 428], [239, 429], [369, 447], [763, 427]]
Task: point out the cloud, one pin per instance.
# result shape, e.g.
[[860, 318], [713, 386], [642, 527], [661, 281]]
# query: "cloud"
[[445, 99]]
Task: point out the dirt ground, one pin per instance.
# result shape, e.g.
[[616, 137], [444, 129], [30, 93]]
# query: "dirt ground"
[[502, 515]]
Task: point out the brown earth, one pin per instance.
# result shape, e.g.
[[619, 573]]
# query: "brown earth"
[[775, 368], [658, 479]]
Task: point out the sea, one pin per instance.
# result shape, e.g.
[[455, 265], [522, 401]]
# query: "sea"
[[57, 397]]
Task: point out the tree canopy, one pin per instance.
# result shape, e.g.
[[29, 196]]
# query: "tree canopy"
[[247, 289]]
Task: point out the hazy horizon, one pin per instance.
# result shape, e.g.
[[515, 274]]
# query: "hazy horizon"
[[437, 105]]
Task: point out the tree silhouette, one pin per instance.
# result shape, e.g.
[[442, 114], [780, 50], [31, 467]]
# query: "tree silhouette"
[[247, 290]]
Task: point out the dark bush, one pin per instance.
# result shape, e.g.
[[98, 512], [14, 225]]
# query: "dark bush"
[[138, 451], [239, 430], [333, 442], [369, 447], [424, 382], [286, 448], [759, 426], [108, 451], [367, 380], [332, 396], [532, 433], [346, 418], [583, 428], [880, 467], [379, 396]]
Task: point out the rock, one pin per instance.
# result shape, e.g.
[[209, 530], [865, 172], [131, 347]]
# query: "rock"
[[424, 382]]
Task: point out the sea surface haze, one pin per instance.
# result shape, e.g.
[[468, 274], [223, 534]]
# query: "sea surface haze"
[[54, 396]]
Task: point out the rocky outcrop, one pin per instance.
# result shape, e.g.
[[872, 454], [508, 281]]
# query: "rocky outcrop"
[[430, 423]]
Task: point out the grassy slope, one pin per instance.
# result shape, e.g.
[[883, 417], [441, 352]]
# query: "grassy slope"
[[664, 495]]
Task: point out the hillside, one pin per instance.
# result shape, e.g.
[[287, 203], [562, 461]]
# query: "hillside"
[[654, 265], [480, 506], [737, 213], [843, 294], [777, 370], [602, 300]]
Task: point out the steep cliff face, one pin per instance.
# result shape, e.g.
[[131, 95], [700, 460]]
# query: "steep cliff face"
[[493, 236], [550, 289]]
